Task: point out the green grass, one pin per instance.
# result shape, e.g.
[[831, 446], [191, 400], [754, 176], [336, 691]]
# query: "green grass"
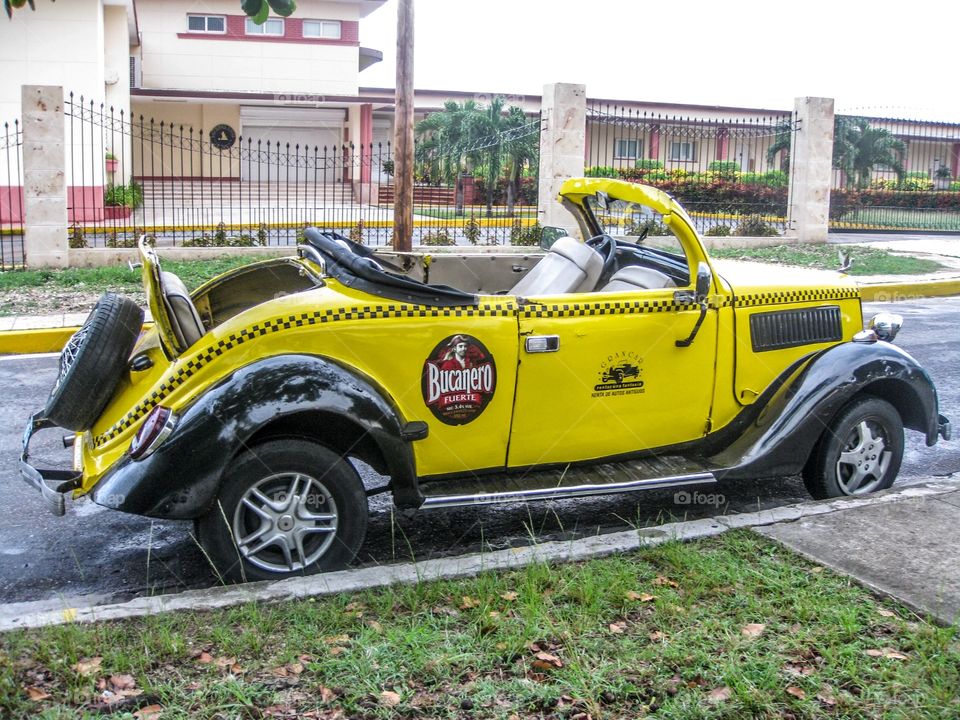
[[902, 218], [119, 277], [866, 261], [449, 213], [470, 648]]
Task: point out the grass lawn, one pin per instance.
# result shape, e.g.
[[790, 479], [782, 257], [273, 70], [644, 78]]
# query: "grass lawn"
[[903, 218], [478, 213], [728, 627], [866, 261]]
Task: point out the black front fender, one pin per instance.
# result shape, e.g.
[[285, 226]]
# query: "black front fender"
[[782, 432], [181, 479]]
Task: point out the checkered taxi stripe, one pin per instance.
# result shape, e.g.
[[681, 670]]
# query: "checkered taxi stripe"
[[268, 327]]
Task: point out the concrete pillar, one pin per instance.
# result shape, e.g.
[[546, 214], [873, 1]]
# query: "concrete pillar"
[[723, 143], [562, 148], [366, 140], [811, 168], [44, 180]]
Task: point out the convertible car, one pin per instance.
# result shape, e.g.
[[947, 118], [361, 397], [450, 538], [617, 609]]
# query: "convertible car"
[[613, 364]]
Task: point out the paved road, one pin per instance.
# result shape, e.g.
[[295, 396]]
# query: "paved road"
[[98, 552]]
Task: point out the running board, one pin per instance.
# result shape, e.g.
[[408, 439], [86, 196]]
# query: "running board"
[[569, 482]]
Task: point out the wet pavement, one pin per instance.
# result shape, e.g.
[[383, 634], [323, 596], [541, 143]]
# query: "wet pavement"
[[110, 555]]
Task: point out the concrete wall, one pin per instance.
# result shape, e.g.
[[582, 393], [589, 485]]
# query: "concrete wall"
[[172, 58]]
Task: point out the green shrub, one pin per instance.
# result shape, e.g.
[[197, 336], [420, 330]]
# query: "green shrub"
[[954, 186], [718, 231], [606, 171], [520, 235], [755, 226], [356, 232], [648, 164], [725, 167], [471, 231], [77, 238], [437, 237], [650, 226], [130, 196]]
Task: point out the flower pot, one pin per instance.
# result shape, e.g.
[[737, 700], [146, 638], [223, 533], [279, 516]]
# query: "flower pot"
[[117, 212], [111, 166]]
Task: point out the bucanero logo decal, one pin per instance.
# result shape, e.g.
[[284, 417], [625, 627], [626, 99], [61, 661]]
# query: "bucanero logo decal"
[[620, 374], [459, 379]]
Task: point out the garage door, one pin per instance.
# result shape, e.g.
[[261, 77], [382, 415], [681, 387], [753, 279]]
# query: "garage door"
[[277, 128]]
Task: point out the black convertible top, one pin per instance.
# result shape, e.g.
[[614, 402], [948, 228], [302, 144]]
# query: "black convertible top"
[[356, 266]]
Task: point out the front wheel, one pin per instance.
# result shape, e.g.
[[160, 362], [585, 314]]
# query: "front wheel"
[[286, 507], [860, 452]]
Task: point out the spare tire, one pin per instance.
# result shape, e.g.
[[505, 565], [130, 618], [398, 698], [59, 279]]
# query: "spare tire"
[[92, 362]]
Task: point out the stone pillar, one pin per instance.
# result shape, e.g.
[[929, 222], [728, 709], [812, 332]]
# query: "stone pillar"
[[562, 148], [811, 169], [44, 180]]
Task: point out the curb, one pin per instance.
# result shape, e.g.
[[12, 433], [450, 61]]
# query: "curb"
[[48, 340], [63, 611], [902, 291]]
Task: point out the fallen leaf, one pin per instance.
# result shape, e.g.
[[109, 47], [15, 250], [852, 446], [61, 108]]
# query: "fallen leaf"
[[672, 685], [326, 694], [354, 606], [205, 658], [295, 668], [374, 625], [657, 636], [617, 628], [88, 666], [36, 694], [509, 596], [826, 697], [150, 712], [817, 569], [797, 669], [719, 695], [337, 639], [632, 595], [797, 692], [122, 682], [894, 654], [224, 662], [468, 603], [661, 580], [279, 671], [546, 661], [886, 613], [388, 698], [753, 629], [337, 651], [874, 653]]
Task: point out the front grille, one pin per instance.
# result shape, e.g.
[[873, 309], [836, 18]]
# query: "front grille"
[[790, 328]]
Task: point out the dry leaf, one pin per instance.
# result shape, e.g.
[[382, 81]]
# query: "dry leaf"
[[204, 658], [224, 662], [88, 666], [826, 697], [509, 596], [673, 685], [797, 692], [632, 595], [753, 629], [388, 698], [661, 580], [468, 603], [797, 669], [657, 636], [546, 661], [36, 694], [295, 668], [375, 626], [337, 640], [719, 695], [150, 712], [280, 671], [886, 613], [817, 569], [874, 653], [617, 628], [894, 654], [122, 682], [337, 651], [354, 606], [326, 694]]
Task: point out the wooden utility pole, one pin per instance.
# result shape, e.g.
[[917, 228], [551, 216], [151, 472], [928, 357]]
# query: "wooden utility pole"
[[403, 136]]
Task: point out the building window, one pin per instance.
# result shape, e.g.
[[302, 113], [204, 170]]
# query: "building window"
[[627, 149], [683, 151], [324, 29], [273, 27], [207, 23]]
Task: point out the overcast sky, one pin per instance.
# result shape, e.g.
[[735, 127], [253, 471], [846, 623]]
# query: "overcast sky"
[[872, 57]]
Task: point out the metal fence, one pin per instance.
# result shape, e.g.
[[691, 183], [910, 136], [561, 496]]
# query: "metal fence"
[[193, 187], [731, 174], [895, 175], [11, 197]]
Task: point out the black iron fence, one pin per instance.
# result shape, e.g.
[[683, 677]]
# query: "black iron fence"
[[185, 186], [11, 197], [895, 175], [731, 174]]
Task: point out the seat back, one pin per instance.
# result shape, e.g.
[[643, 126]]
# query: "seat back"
[[637, 277], [569, 266], [184, 318]]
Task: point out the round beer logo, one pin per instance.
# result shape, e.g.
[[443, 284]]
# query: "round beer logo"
[[459, 379]]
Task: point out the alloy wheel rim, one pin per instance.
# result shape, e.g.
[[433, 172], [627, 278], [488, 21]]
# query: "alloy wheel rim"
[[864, 459], [285, 522], [68, 356]]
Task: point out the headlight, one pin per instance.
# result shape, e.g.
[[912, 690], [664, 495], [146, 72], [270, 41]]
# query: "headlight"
[[886, 325], [155, 429]]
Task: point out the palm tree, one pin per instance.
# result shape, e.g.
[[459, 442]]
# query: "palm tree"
[[444, 141], [858, 148], [783, 135], [520, 151]]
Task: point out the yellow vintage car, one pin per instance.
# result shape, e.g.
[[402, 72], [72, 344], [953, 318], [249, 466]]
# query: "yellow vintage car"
[[623, 362]]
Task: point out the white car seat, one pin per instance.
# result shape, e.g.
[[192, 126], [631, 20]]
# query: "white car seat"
[[569, 266], [637, 277]]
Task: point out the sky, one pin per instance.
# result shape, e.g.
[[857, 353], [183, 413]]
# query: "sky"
[[893, 60]]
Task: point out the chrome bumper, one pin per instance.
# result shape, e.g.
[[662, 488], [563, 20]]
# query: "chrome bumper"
[[52, 483]]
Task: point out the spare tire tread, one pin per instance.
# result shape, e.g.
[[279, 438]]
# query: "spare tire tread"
[[112, 329]]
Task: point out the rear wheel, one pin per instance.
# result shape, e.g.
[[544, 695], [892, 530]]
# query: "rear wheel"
[[286, 507], [859, 453]]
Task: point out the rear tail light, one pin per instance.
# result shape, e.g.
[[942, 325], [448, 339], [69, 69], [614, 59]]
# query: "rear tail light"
[[155, 429]]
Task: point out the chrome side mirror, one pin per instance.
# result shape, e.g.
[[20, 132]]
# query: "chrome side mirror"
[[886, 325], [549, 235]]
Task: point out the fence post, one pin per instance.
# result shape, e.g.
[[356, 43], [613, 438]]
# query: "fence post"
[[563, 122], [811, 169], [44, 177]]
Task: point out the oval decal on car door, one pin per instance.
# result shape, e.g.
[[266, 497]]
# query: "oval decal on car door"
[[459, 379]]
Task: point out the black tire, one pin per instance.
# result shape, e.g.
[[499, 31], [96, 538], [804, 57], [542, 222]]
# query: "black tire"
[[326, 485], [859, 453], [93, 361]]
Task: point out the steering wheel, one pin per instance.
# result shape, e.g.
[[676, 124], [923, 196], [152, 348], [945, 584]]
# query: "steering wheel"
[[607, 247]]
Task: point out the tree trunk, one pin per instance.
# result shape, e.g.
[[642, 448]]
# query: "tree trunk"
[[511, 192], [458, 194]]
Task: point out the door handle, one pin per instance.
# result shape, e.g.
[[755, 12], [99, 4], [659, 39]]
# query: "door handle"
[[542, 343]]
